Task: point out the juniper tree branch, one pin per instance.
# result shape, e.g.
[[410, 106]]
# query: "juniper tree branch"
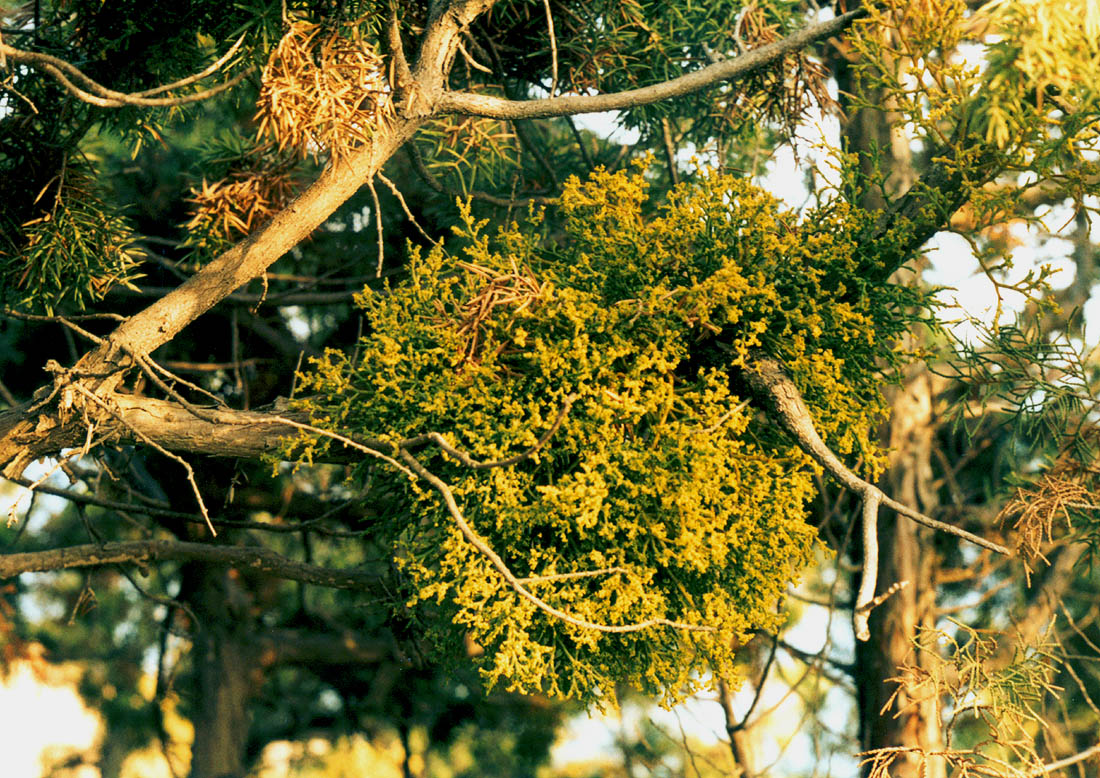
[[1069, 761], [143, 552], [91, 91], [784, 403], [472, 104], [767, 378], [24, 438]]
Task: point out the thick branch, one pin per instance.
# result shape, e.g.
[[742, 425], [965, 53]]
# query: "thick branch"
[[784, 403], [495, 107], [218, 432], [143, 552], [164, 319]]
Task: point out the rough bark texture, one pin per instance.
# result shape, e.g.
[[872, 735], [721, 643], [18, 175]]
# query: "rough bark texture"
[[906, 553], [222, 687], [33, 430]]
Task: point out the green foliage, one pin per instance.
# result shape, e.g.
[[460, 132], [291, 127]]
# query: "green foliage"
[[1043, 70], [72, 254], [662, 474], [611, 45]]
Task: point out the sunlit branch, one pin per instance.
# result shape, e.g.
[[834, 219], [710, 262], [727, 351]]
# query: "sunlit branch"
[[83, 87], [472, 104], [768, 380]]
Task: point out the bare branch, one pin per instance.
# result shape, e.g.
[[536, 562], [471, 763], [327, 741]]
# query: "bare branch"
[[553, 48], [869, 577], [1069, 761], [143, 552], [495, 107], [66, 73], [768, 380], [165, 452], [515, 583]]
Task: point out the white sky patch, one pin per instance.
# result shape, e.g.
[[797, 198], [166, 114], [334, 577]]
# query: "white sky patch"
[[16, 499], [297, 322], [606, 125]]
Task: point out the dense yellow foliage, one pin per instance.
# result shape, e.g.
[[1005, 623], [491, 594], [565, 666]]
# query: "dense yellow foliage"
[[663, 467]]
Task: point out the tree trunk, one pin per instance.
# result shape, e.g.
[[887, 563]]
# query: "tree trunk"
[[222, 684], [910, 721], [906, 552]]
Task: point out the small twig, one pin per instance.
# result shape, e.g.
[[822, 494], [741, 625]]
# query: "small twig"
[[465, 458], [7, 396], [87, 595], [585, 156], [1080, 756], [70, 317], [670, 151], [168, 602], [571, 576], [405, 207], [744, 722], [816, 601], [818, 659], [150, 442], [470, 58], [429, 178], [378, 226], [34, 485], [343, 439], [80, 331], [150, 369], [553, 48], [152, 510], [103, 97], [726, 416], [298, 366], [211, 367], [515, 583]]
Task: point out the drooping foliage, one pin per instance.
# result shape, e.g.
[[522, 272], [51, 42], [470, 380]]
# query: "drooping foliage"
[[629, 327]]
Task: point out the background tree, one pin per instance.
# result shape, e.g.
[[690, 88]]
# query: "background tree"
[[571, 446]]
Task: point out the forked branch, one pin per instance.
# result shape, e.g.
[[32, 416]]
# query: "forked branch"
[[516, 583], [770, 382], [84, 87]]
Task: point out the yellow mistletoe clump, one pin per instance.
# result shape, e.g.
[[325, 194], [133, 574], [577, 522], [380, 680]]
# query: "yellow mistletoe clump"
[[600, 363]]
